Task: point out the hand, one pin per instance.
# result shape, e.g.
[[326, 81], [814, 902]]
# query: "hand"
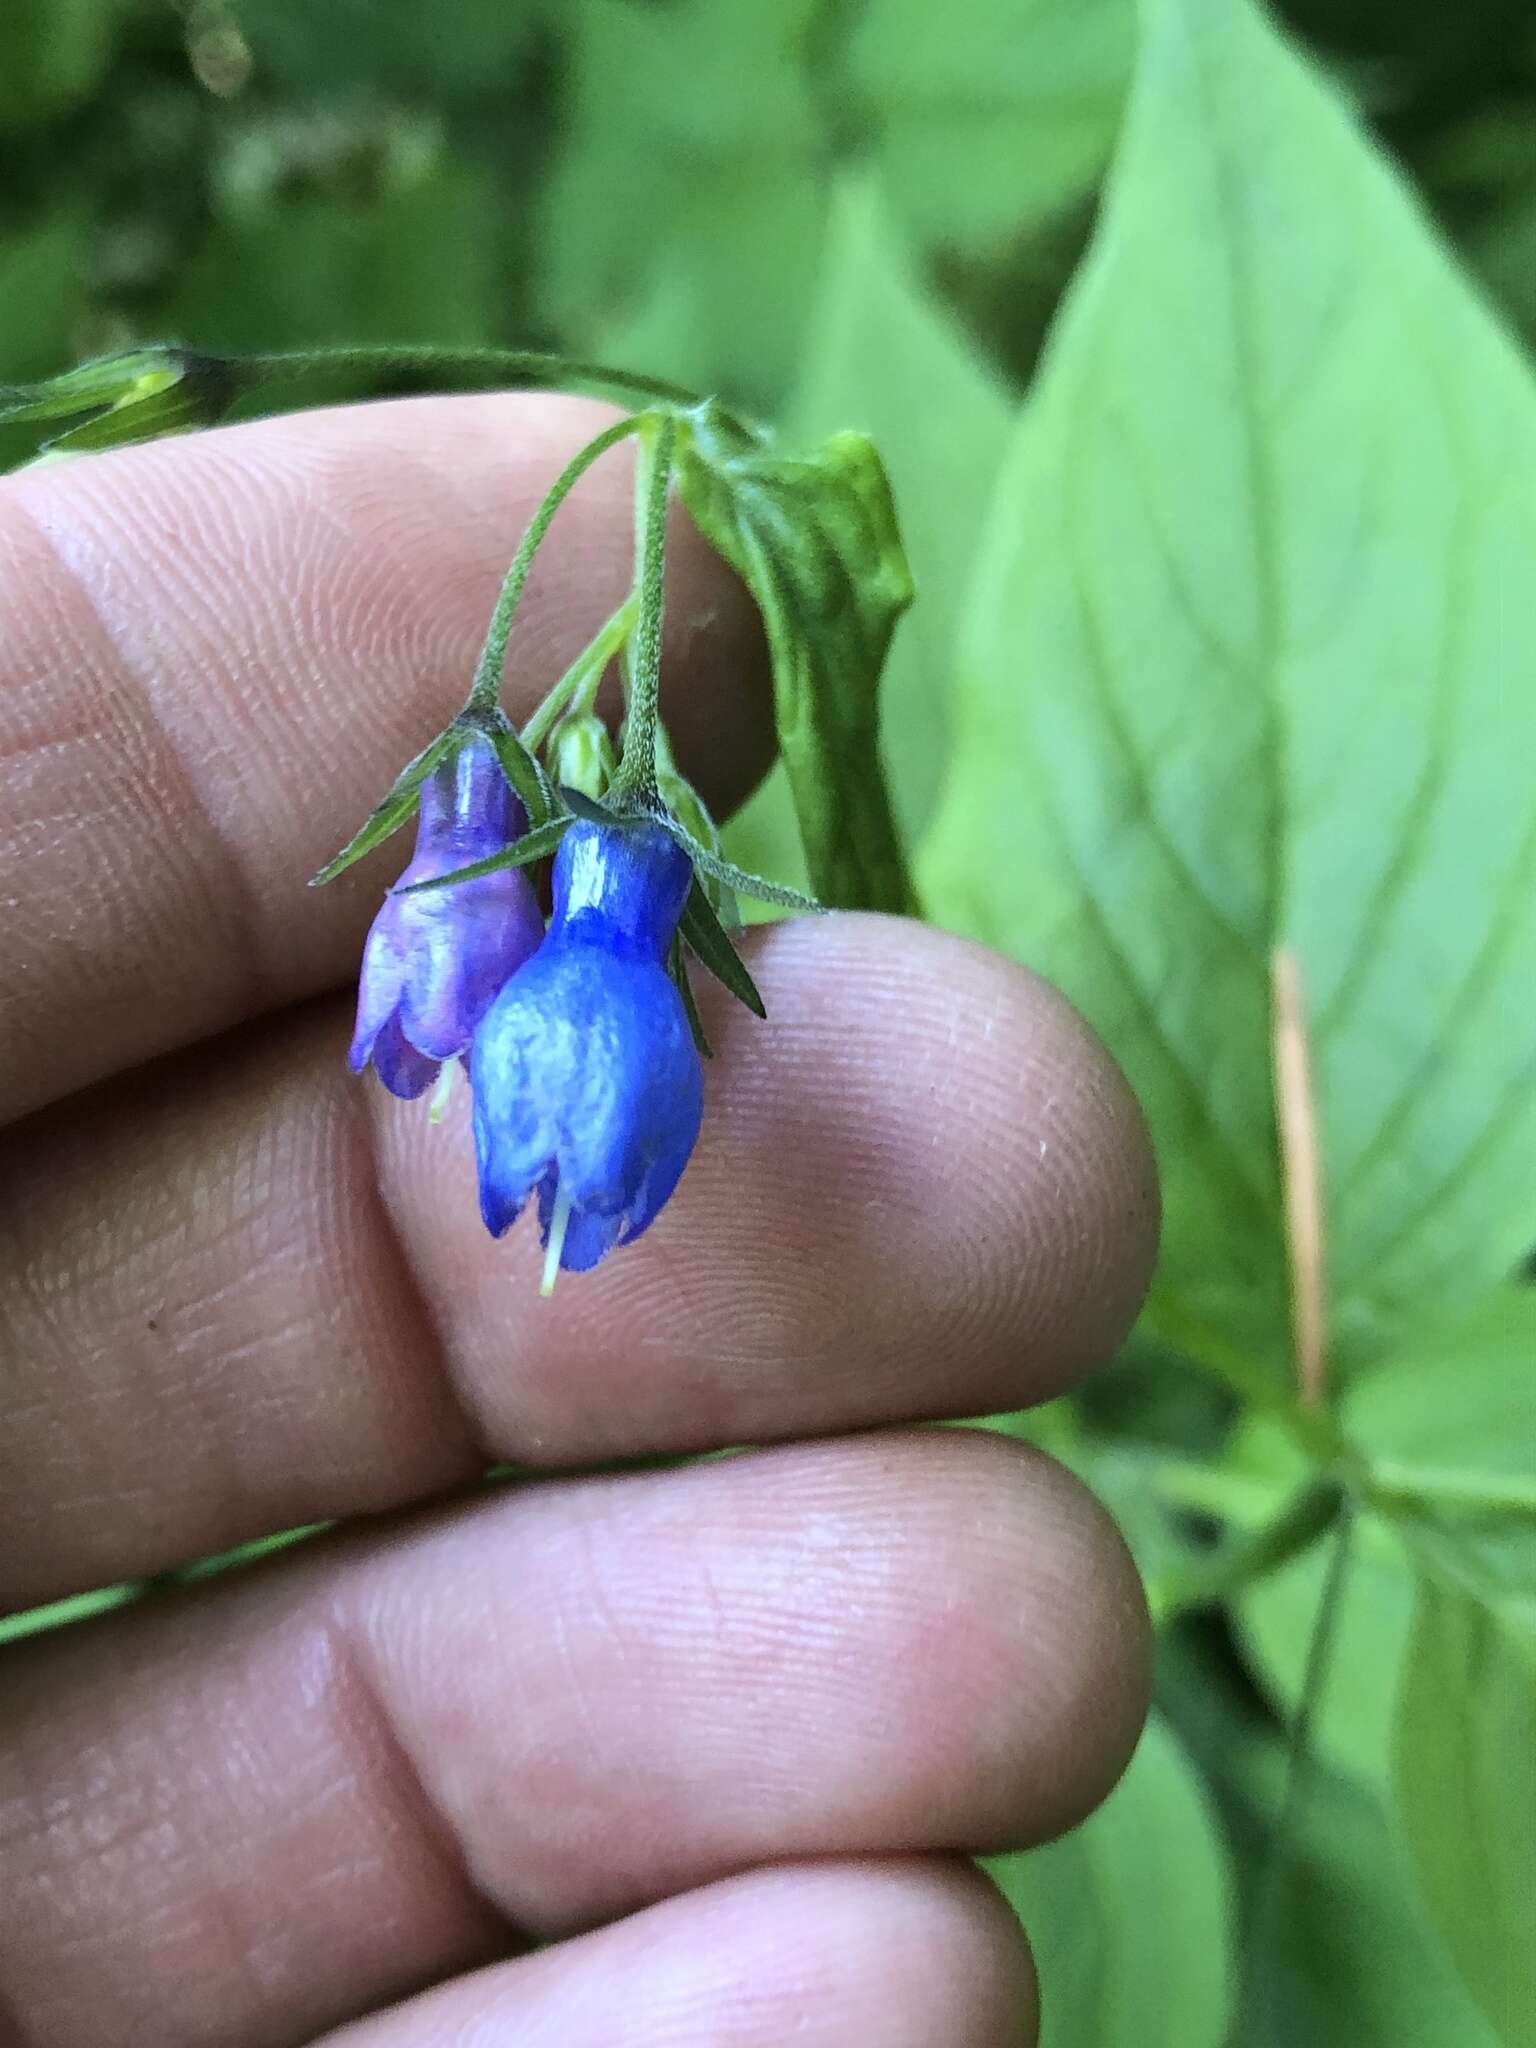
[[722, 1732]]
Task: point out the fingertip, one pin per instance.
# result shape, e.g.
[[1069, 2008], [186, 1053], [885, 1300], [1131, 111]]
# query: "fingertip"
[[996, 1989], [960, 1107], [1102, 1687]]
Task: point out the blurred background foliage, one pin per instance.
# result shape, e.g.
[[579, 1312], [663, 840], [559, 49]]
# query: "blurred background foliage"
[[651, 179], [867, 213]]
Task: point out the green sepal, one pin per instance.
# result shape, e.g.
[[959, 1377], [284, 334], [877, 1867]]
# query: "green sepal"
[[679, 794], [522, 853], [529, 782], [677, 967], [688, 808], [118, 400], [387, 817], [709, 940], [733, 877], [583, 806], [685, 804]]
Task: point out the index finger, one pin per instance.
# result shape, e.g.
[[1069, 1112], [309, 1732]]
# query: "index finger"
[[215, 655]]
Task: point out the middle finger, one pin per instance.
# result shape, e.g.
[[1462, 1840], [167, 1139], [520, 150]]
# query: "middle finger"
[[242, 1815]]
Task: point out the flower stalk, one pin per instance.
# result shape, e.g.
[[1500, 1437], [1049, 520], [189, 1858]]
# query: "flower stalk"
[[635, 786], [485, 690]]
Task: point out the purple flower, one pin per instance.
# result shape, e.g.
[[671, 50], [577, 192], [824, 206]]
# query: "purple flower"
[[434, 962], [587, 1085]]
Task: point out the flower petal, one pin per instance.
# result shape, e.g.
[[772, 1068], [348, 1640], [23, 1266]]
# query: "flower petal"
[[467, 942], [403, 1070], [512, 1149], [468, 809], [589, 1235], [662, 1178], [378, 984]]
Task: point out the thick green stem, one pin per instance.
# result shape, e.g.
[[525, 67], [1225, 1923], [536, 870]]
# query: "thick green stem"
[[485, 691], [636, 778], [1246, 1558], [482, 368]]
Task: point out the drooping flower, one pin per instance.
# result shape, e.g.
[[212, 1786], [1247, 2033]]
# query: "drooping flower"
[[434, 961], [587, 1085]]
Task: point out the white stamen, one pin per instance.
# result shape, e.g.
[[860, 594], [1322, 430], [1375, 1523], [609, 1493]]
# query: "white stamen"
[[557, 1224], [441, 1093]]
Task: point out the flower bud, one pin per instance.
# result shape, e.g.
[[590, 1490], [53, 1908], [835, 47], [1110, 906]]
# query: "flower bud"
[[581, 755]]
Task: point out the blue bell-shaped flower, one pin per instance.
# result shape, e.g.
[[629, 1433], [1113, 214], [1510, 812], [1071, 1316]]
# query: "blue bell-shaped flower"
[[587, 1084]]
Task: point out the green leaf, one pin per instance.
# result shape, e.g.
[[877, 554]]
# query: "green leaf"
[[1247, 668], [43, 264], [1466, 1788], [730, 268], [709, 940], [682, 216], [989, 115], [1344, 1957], [1449, 1418], [415, 258], [1128, 1916], [394, 46], [1445, 1430], [52, 55], [883, 356], [814, 539], [1337, 1953]]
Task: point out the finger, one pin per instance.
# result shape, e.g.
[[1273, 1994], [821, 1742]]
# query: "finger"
[[263, 1810], [835, 1955], [249, 1292], [218, 652]]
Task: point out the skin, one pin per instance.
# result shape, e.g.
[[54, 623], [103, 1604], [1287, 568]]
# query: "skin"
[[721, 1736]]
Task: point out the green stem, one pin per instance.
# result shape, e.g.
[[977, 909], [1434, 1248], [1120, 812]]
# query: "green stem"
[[1266, 1898], [1185, 1331], [485, 691], [578, 687], [1390, 1484], [1243, 1500], [1239, 1562], [485, 368], [653, 475]]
